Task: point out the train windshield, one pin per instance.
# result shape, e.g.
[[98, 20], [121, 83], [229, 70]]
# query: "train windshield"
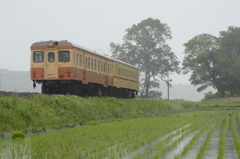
[[63, 56], [51, 57], [38, 56]]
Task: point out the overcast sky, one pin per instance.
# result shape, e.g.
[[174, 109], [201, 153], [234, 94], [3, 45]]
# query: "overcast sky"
[[94, 24]]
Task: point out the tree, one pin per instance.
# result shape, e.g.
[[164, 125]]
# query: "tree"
[[145, 47], [155, 94], [200, 59], [213, 61]]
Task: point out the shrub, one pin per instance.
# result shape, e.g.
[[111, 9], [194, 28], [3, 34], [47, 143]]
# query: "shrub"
[[209, 95], [218, 95], [227, 94], [18, 134]]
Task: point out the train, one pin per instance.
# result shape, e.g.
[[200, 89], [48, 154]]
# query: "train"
[[62, 67]]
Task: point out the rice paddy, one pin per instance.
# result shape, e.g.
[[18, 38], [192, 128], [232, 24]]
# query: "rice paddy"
[[193, 134]]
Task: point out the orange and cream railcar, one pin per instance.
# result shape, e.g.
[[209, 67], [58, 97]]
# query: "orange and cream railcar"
[[63, 67]]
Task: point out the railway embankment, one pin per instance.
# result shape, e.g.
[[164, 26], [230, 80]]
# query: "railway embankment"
[[41, 112]]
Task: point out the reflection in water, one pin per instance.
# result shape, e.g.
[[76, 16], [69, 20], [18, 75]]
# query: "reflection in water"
[[19, 149]]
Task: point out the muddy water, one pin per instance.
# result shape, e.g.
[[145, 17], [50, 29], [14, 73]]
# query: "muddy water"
[[212, 152], [16, 151], [153, 143], [180, 146], [193, 153], [230, 148], [238, 125]]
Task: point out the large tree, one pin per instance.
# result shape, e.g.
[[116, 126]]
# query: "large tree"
[[144, 46], [214, 61]]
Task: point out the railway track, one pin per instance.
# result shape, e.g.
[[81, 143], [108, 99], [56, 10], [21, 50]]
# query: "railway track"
[[20, 94]]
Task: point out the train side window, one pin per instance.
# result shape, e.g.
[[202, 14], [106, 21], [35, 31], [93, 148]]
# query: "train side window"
[[76, 59], [95, 64], [38, 56], [104, 67], [92, 63], [110, 70], [89, 62], [98, 65], [80, 60], [51, 57], [63, 56]]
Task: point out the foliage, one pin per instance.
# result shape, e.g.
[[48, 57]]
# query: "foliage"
[[145, 47], [155, 94], [209, 95], [218, 95], [214, 61], [18, 134], [227, 94]]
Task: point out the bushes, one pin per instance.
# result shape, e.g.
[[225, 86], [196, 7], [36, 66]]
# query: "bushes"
[[218, 95], [18, 134], [209, 95]]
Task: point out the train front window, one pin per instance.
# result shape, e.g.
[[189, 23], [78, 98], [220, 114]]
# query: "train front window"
[[51, 57], [38, 56], [63, 56]]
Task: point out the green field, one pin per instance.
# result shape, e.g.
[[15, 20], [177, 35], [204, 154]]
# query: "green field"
[[135, 129]]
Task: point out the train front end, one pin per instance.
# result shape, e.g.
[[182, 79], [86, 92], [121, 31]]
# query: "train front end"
[[51, 65]]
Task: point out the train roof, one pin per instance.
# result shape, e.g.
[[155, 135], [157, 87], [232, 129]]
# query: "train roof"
[[67, 43]]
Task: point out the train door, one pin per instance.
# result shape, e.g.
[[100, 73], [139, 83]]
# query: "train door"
[[51, 70]]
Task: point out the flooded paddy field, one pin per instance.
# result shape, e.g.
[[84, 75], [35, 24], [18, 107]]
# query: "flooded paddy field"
[[193, 134]]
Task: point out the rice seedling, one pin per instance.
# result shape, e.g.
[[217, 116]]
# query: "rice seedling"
[[235, 135], [190, 145], [205, 144], [222, 140]]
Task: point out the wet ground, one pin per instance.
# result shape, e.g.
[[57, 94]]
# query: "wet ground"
[[230, 148]]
